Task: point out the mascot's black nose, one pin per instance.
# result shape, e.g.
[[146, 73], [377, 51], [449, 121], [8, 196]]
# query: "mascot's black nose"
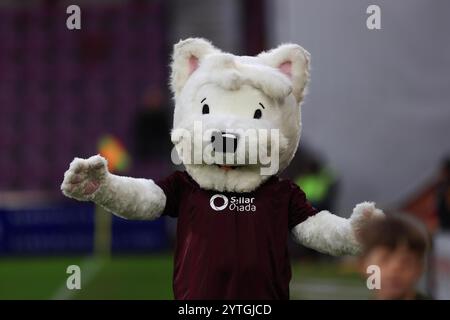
[[224, 142]]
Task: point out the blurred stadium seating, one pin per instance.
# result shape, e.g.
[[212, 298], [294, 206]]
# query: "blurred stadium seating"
[[60, 90]]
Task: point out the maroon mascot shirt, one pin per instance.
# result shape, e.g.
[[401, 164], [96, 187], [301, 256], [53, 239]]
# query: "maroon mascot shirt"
[[233, 245]]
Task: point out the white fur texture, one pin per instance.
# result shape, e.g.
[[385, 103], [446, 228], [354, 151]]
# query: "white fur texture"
[[363, 213], [194, 47], [300, 59], [330, 234], [130, 198], [243, 82]]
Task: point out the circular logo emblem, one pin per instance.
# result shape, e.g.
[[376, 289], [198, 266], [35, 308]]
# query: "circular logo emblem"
[[218, 208]]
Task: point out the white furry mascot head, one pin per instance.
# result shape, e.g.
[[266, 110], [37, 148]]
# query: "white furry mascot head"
[[237, 119]]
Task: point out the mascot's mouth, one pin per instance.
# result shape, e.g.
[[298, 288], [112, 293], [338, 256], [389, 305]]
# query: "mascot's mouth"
[[225, 167]]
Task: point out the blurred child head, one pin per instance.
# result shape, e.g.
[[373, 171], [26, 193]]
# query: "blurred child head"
[[397, 245]]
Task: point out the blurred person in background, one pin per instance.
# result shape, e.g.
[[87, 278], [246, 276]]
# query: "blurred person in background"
[[152, 127], [319, 184], [310, 172], [398, 246], [443, 196]]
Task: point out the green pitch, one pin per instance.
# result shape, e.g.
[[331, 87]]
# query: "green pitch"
[[121, 277], [148, 277]]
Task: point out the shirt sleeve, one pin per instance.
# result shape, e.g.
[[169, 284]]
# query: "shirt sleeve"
[[299, 207], [172, 187]]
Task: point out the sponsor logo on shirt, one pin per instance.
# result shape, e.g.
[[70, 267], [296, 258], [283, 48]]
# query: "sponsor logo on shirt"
[[219, 202]]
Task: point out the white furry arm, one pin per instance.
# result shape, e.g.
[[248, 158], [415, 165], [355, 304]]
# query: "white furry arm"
[[130, 198], [334, 235], [326, 233]]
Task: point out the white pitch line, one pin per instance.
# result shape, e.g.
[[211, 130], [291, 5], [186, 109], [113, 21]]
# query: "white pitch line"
[[89, 268]]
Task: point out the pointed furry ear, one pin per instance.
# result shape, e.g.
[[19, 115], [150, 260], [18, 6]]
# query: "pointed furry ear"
[[293, 61], [187, 56]]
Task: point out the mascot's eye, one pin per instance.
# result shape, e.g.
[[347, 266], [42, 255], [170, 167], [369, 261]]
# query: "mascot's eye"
[[205, 109], [258, 114]]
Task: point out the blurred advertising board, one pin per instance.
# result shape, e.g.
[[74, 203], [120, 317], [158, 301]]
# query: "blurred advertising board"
[[69, 229]]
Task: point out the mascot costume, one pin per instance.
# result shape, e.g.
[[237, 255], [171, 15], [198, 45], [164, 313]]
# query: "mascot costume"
[[234, 213]]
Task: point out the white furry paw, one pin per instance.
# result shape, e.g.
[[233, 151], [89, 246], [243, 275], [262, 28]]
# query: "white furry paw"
[[364, 213], [84, 177]]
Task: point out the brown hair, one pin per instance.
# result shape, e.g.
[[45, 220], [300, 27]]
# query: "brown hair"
[[394, 231]]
